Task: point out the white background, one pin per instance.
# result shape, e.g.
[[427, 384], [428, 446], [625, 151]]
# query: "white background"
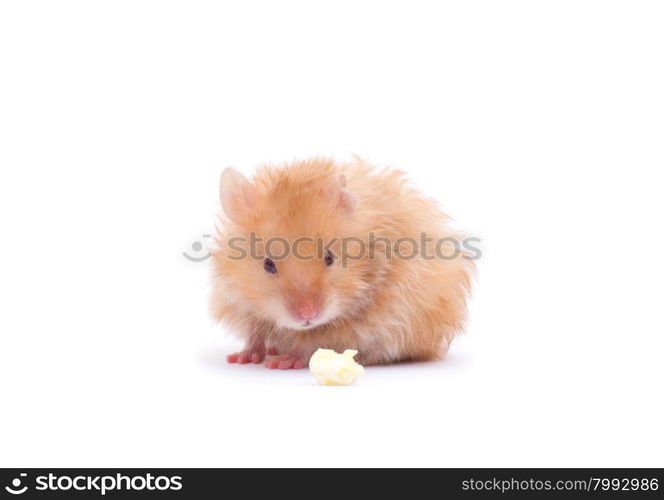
[[538, 125]]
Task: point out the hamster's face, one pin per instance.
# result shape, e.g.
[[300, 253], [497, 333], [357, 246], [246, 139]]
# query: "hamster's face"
[[294, 257], [309, 287]]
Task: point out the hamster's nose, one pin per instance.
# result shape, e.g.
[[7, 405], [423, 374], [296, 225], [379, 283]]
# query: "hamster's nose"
[[306, 311]]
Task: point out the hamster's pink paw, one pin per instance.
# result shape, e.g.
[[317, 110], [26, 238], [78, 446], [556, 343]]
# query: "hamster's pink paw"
[[286, 362], [247, 356]]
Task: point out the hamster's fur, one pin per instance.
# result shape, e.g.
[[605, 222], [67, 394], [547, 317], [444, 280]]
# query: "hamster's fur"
[[388, 308]]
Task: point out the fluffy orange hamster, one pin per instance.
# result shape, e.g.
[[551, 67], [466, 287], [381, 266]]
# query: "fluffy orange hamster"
[[323, 254]]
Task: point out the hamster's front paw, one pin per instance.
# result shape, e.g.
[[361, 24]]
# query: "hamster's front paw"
[[247, 356], [255, 354], [287, 361]]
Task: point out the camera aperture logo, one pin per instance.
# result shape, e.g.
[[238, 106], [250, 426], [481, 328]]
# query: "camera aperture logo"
[[101, 484], [17, 487]]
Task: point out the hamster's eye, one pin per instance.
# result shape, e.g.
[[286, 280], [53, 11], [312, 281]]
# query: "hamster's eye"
[[329, 258], [269, 266]]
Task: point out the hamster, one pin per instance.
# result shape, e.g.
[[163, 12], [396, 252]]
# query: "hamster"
[[313, 254]]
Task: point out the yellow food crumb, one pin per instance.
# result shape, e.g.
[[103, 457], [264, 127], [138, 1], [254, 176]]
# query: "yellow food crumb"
[[331, 368]]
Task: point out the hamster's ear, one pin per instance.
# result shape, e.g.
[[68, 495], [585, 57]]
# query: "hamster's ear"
[[347, 199], [238, 195]]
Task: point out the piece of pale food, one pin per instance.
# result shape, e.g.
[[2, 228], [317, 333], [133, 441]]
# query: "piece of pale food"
[[331, 368]]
